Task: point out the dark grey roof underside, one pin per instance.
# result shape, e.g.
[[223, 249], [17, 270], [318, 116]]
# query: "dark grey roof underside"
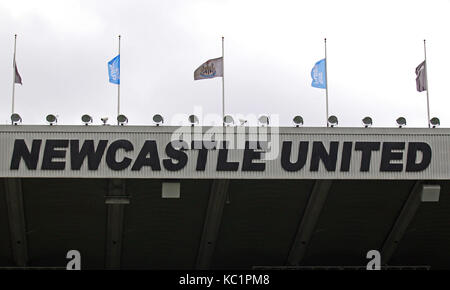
[[259, 223]]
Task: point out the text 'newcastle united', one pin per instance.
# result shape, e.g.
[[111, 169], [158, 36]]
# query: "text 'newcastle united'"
[[65, 154]]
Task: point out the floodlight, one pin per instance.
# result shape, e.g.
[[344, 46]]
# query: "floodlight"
[[332, 120], [298, 121], [228, 120], [367, 122], [242, 122], [170, 190], [122, 120], [16, 119], [435, 122], [401, 122], [104, 120], [430, 193], [158, 119], [193, 119], [263, 120], [86, 119], [51, 119]]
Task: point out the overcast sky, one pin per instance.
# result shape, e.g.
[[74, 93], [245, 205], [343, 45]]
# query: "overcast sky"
[[270, 47]]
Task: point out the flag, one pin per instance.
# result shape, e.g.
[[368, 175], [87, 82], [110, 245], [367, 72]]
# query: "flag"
[[17, 77], [421, 79], [213, 68], [318, 75], [114, 70]]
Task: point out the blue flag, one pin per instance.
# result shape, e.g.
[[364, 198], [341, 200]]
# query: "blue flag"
[[114, 70], [318, 75]]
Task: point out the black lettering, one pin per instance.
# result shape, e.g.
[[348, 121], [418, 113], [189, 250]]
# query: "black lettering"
[[178, 155], [250, 155], [50, 153], [366, 149], [78, 156], [286, 156], [346, 156], [149, 147], [21, 152], [202, 157], [413, 148], [387, 156], [320, 153], [222, 163], [111, 155]]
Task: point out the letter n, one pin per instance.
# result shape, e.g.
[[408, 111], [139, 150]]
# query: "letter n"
[[21, 152]]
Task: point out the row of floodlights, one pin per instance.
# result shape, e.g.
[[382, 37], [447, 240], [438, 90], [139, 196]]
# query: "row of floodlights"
[[87, 119], [332, 121], [227, 120], [367, 121]]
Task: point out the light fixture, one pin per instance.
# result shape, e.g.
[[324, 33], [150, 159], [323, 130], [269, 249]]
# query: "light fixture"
[[158, 119], [263, 120], [86, 119], [298, 121], [228, 120], [401, 122], [367, 122], [435, 122], [193, 119], [430, 192], [117, 200], [242, 122], [171, 190], [16, 119], [51, 119], [332, 120], [122, 120], [104, 120]]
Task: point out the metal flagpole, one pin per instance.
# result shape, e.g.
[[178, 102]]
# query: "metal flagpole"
[[326, 79], [223, 83], [14, 74], [118, 87], [426, 82]]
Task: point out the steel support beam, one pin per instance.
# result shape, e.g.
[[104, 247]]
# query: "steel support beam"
[[213, 219], [116, 201], [308, 223], [16, 217], [405, 217]]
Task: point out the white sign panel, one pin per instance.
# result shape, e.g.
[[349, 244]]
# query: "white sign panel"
[[230, 152]]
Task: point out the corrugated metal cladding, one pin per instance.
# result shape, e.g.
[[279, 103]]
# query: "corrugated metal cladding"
[[437, 139]]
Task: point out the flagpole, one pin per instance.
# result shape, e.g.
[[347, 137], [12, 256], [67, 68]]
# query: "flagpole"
[[223, 83], [326, 79], [118, 87], [426, 81], [14, 75]]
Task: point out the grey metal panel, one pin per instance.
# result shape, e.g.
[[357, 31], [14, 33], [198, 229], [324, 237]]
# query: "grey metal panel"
[[6, 258], [63, 215], [400, 226], [259, 223], [212, 223], [439, 140], [427, 238], [308, 223], [163, 233], [17, 223], [357, 217], [114, 226]]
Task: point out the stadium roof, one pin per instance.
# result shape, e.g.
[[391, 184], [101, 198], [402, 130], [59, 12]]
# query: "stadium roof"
[[243, 220]]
